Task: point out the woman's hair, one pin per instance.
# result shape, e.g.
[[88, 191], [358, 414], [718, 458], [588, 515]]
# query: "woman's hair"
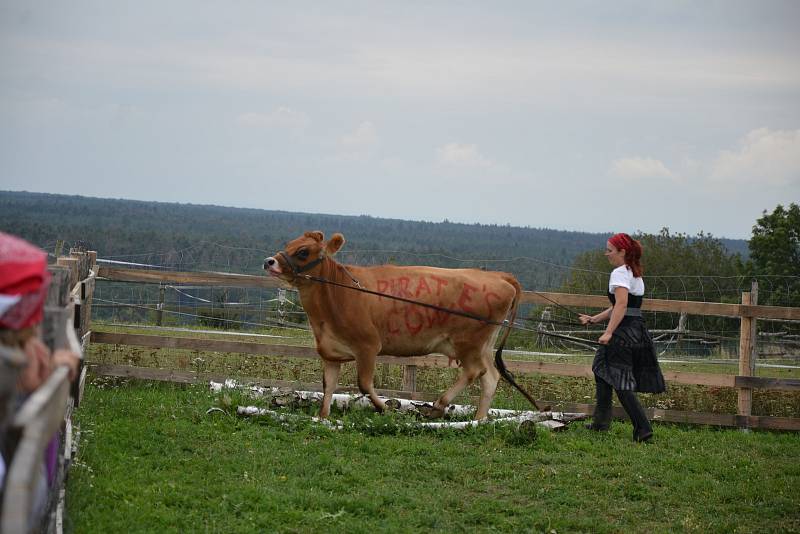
[[633, 251]]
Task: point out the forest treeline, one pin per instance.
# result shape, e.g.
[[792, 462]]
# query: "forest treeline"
[[202, 237]]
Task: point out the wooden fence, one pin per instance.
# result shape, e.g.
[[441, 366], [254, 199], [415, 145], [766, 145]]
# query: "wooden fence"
[[748, 312], [48, 410]]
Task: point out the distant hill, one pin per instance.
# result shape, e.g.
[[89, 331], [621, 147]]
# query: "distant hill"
[[202, 237]]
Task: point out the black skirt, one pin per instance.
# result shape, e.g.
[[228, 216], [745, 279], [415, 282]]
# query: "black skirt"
[[629, 362]]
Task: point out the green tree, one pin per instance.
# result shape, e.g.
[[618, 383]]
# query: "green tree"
[[775, 253], [775, 245]]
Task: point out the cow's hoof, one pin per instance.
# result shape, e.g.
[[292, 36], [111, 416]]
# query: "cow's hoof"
[[430, 411], [393, 405], [280, 401]]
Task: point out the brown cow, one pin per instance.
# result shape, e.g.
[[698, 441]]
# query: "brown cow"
[[354, 325]]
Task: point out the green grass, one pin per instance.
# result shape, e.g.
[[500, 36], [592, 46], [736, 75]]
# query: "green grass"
[[152, 460]]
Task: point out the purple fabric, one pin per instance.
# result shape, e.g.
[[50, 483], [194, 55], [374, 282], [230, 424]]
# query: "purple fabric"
[[51, 459]]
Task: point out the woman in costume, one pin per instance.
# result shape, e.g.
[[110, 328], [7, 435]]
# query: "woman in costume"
[[626, 359]]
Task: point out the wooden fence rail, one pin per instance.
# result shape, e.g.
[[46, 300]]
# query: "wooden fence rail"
[[532, 297], [748, 312], [430, 361]]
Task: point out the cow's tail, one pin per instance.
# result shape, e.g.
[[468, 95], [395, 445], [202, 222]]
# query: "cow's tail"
[[498, 356]]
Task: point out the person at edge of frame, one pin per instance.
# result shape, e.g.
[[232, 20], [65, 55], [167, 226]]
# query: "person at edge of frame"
[[25, 361], [626, 359]]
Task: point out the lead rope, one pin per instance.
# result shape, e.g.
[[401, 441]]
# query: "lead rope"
[[441, 308]]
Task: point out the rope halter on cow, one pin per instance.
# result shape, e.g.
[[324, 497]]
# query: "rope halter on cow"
[[296, 269]]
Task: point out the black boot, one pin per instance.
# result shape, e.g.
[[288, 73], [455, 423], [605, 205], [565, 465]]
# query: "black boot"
[[642, 431], [601, 419]]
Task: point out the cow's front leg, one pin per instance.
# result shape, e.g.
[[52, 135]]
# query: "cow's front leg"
[[330, 379], [365, 365]]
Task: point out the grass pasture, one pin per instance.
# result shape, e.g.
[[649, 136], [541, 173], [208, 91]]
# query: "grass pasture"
[[152, 460]]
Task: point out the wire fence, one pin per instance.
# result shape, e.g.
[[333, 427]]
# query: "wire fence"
[[694, 337]]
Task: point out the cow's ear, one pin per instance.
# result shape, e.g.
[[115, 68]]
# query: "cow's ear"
[[317, 235], [334, 244]]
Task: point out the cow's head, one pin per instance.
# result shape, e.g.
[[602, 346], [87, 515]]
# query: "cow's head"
[[302, 255]]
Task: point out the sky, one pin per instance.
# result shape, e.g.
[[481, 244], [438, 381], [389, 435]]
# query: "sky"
[[588, 116]]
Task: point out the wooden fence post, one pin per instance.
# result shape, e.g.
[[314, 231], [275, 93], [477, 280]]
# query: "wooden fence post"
[[160, 308], [410, 378], [745, 396], [753, 329]]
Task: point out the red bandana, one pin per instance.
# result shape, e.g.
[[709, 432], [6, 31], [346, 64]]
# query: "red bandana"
[[621, 241], [24, 280]]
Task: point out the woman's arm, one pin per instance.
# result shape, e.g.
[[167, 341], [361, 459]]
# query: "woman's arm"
[[617, 313], [599, 318]]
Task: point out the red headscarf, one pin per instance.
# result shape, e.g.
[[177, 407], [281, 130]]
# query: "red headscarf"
[[633, 251], [24, 280]]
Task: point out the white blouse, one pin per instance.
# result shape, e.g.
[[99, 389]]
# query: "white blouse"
[[622, 276]]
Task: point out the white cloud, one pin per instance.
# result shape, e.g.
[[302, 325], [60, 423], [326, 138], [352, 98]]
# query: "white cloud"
[[636, 168], [358, 144], [283, 118], [363, 138], [465, 156], [764, 156]]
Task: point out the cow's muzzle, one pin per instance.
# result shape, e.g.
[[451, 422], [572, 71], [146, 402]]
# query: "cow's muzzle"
[[272, 266]]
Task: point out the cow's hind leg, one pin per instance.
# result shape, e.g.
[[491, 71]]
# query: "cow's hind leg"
[[365, 365], [469, 373], [330, 379], [489, 381]]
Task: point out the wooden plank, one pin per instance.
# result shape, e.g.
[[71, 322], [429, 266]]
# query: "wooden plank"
[[545, 298], [209, 345], [187, 277], [54, 325], [745, 395], [72, 265], [564, 299], [87, 292], [753, 331], [81, 384], [601, 301], [700, 379], [429, 361], [762, 382], [160, 313], [770, 312], [58, 292], [83, 263], [410, 377], [672, 306], [37, 420], [547, 368]]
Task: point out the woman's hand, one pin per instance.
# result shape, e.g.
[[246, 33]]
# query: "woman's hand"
[[585, 319], [39, 365], [68, 358], [604, 339]]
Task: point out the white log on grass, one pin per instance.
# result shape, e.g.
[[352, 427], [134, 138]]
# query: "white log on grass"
[[551, 420]]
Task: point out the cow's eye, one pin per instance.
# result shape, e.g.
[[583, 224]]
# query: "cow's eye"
[[302, 254]]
